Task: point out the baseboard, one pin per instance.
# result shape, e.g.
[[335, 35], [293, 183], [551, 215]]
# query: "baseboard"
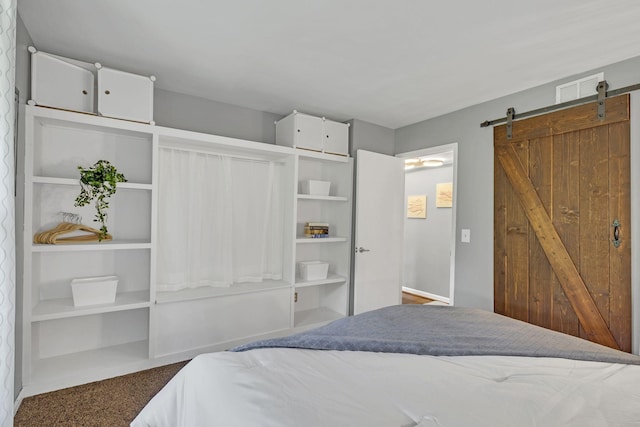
[[425, 294], [18, 402]]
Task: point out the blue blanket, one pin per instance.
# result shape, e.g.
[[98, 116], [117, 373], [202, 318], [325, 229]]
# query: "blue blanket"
[[444, 331]]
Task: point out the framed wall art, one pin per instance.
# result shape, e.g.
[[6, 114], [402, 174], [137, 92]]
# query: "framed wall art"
[[444, 195], [417, 207]]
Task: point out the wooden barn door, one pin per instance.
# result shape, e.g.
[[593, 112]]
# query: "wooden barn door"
[[562, 249]]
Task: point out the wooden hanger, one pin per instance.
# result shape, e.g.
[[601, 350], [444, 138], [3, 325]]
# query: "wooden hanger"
[[52, 236]]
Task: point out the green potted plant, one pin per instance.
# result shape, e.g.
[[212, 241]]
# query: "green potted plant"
[[98, 183]]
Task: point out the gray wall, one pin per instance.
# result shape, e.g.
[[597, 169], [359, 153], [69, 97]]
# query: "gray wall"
[[370, 137], [427, 242], [474, 261], [179, 111]]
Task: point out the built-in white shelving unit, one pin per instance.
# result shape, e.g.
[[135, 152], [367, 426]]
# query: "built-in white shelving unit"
[[319, 301], [65, 345]]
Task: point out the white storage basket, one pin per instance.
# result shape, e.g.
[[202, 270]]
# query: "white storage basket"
[[313, 270], [94, 290], [316, 188]]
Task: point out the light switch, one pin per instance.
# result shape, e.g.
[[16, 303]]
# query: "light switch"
[[465, 235]]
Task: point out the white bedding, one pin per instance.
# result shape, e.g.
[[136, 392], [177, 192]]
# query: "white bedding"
[[296, 387]]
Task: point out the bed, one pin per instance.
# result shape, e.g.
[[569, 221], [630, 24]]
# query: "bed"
[[406, 366]]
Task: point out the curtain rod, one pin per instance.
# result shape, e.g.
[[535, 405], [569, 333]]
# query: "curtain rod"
[[562, 105], [221, 154]]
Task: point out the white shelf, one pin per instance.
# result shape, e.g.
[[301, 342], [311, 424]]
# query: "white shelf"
[[315, 316], [320, 239], [84, 363], [91, 121], [111, 245], [63, 307], [317, 155], [216, 292], [71, 181], [327, 198], [331, 278], [216, 144]]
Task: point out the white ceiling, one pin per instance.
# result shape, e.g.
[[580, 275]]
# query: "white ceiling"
[[389, 62]]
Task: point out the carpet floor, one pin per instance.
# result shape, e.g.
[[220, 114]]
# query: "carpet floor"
[[114, 402]]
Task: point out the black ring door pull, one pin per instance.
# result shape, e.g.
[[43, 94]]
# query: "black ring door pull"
[[616, 233]]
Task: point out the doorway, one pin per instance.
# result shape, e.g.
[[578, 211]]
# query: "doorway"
[[430, 222]]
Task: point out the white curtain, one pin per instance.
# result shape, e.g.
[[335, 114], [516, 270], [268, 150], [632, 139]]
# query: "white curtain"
[[7, 213], [219, 220]]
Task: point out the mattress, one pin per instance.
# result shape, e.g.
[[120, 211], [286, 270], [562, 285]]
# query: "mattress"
[[280, 383]]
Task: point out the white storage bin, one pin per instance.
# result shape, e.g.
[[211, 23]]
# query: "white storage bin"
[[62, 82], [316, 188], [94, 290], [313, 270], [123, 95], [336, 138], [300, 130]]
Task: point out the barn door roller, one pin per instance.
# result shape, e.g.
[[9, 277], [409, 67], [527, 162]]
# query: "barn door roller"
[[603, 93], [511, 112]]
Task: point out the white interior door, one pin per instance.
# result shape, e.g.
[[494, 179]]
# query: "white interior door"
[[378, 231]]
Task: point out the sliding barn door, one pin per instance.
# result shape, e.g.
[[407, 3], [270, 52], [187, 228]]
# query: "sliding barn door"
[[562, 248]]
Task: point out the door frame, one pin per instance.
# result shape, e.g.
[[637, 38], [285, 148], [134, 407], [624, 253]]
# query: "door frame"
[[440, 149]]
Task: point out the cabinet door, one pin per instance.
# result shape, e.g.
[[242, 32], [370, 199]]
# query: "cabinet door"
[[124, 95], [336, 137], [308, 132], [58, 83]]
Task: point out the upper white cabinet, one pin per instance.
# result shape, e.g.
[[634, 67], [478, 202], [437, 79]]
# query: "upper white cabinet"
[[335, 137], [308, 132], [300, 131], [73, 87], [124, 95]]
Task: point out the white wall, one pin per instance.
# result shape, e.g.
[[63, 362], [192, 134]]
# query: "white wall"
[[427, 242], [474, 261]]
